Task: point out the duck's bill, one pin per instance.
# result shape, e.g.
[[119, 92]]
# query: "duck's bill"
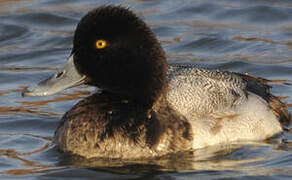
[[65, 78]]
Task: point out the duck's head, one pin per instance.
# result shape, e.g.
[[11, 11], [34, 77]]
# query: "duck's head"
[[115, 51]]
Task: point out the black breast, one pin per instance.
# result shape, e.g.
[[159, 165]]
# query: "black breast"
[[104, 125]]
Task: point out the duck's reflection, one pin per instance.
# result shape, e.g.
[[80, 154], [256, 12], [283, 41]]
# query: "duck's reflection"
[[237, 158]]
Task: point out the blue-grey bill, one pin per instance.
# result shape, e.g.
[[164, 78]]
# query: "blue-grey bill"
[[64, 78]]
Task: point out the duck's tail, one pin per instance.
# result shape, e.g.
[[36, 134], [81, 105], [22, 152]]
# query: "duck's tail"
[[261, 87], [280, 110]]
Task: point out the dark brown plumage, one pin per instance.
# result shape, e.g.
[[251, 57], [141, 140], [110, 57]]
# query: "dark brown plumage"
[[111, 127]]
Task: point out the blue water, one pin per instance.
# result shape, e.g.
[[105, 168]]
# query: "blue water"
[[253, 36]]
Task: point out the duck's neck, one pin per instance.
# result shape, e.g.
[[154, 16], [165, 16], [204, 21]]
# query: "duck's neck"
[[146, 83], [147, 93], [154, 81], [144, 99]]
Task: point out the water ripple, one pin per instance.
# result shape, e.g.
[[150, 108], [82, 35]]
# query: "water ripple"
[[265, 15]]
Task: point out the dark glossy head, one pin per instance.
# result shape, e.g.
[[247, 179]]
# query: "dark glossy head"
[[116, 51], [132, 63]]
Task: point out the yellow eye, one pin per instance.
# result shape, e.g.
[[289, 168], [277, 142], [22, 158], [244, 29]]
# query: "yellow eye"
[[100, 44]]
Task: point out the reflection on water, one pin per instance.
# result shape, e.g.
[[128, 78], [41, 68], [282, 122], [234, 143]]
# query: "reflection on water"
[[242, 36]]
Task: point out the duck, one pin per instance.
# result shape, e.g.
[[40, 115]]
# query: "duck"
[[145, 107]]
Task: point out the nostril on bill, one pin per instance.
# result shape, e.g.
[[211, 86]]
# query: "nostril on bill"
[[59, 74]]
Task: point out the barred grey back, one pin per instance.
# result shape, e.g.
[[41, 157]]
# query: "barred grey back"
[[196, 92]]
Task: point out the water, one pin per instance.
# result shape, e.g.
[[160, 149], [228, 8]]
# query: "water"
[[241, 36]]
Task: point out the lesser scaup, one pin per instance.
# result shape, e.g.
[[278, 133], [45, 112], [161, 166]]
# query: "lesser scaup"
[[146, 107]]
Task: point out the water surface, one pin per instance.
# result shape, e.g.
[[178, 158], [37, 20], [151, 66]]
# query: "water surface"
[[241, 36]]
